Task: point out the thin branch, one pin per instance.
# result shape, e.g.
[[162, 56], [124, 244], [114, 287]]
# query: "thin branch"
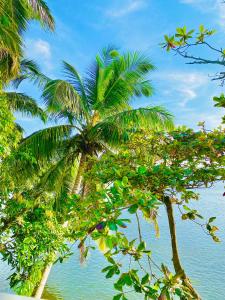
[[139, 227]]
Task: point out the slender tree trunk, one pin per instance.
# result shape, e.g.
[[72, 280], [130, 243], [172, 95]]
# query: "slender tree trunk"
[[44, 279], [79, 177], [175, 254], [87, 186], [75, 190]]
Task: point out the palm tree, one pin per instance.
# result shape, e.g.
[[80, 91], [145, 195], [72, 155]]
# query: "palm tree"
[[14, 18], [96, 114]]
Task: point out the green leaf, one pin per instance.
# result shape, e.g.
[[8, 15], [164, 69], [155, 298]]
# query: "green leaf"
[[110, 273], [112, 225], [212, 219], [127, 279], [121, 223], [142, 170], [133, 208], [137, 288], [117, 297], [186, 208], [156, 169], [145, 279], [118, 287], [111, 260], [106, 269], [141, 246]]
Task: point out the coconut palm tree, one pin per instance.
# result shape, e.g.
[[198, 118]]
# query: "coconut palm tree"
[[96, 114], [14, 18]]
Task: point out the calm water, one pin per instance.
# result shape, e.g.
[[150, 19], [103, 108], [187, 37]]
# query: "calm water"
[[203, 259]]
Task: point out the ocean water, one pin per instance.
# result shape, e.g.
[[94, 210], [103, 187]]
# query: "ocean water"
[[203, 259]]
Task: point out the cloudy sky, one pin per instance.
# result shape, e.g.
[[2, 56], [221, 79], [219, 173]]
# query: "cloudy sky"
[[84, 27]]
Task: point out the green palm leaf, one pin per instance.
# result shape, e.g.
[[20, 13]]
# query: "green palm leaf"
[[117, 128], [75, 80], [58, 176], [155, 118], [127, 78], [110, 133], [10, 52], [42, 12], [17, 13], [60, 96], [31, 71], [22, 103], [45, 144]]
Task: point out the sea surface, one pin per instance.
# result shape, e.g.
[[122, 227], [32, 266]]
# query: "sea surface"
[[203, 259]]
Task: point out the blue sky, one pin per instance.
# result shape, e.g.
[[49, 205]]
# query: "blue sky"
[[83, 28]]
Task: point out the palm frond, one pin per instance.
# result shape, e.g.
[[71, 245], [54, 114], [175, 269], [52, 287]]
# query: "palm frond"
[[117, 128], [58, 177], [108, 54], [19, 128], [110, 134], [22, 103], [97, 82], [60, 96], [42, 12], [76, 81], [155, 118], [18, 15], [31, 71], [45, 143], [128, 78], [91, 83], [10, 53], [143, 88]]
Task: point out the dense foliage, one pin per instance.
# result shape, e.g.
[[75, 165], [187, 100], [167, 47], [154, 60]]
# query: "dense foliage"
[[155, 170]]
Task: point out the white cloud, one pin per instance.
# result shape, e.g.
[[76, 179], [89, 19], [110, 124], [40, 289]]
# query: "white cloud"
[[43, 48], [187, 95], [130, 7], [195, 79], [185, 84], [40, 51]]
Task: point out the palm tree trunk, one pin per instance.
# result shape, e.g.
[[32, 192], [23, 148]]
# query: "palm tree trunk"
[[79, 177], [75, 190], [175, 258]]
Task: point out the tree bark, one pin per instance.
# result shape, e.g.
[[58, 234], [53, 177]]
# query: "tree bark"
[[79, 177], [175, 254]]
